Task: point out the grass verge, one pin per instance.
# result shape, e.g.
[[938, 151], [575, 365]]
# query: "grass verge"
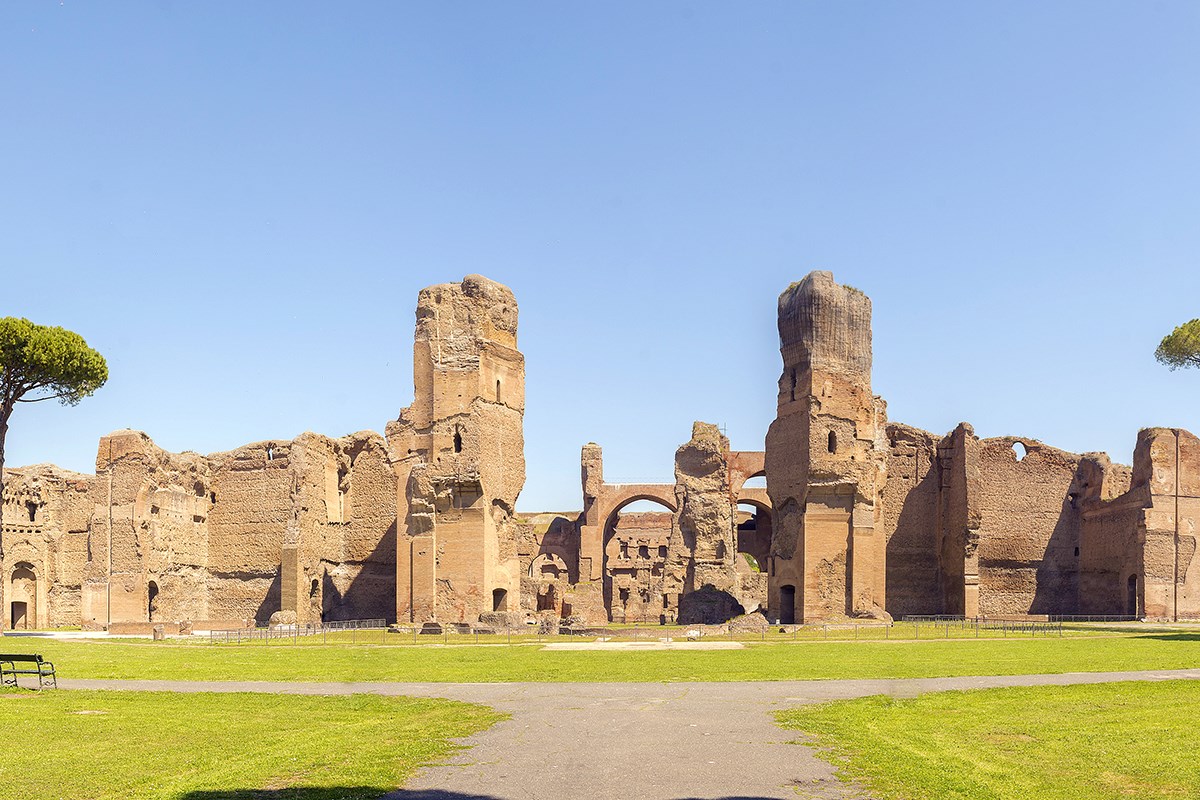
[[311, 661], [150, 744], [1096, 742]]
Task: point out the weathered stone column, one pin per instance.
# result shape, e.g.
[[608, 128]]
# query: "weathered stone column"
[[703, 544], [459, 456], [826, 458]]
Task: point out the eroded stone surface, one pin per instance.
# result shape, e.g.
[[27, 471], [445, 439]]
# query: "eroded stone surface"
[[460, 456], [860, 516]]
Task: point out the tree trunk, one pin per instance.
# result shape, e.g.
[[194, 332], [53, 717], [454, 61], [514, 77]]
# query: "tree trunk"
[[4, 414]]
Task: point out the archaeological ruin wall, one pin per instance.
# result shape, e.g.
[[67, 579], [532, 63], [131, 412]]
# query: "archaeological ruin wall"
[[459, 454], [860, 517], [826, 458], [47, 512]]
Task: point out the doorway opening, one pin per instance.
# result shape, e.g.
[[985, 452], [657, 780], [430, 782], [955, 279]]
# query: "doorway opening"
[[787, 605]]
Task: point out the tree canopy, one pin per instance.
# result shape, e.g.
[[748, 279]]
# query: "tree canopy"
[[1181, 347], [40, 362]]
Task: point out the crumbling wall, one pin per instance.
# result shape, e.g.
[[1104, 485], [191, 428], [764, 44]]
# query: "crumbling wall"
[[959, 517], [363, 568], [548, 549], [152, 507], [702, 551], [910, 523], [46, 510], [1166, 462], [1029, 548], [1109, 542], [250, 522], [637, 562], [458, 453]]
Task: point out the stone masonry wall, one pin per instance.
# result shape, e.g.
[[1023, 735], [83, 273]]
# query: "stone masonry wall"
[[46, 512], [1028, 549], [910, 523]]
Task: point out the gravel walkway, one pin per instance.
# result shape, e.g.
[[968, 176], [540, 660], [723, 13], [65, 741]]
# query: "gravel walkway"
[[653, 741]]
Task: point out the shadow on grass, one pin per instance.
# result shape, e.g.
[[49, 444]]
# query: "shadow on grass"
[[1170, 637], [365, 792], [333, 793]]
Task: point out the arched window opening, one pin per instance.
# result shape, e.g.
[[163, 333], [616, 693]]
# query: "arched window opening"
[[457, 440], [832, 442], [497, 390], [1020, 450], [270, 452], [23, 600], [758, 481], [151, 601], [32, 508], [315, 588], [499, 600]]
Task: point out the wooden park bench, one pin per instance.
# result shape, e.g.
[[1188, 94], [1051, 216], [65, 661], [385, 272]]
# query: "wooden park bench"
[[43, 669]]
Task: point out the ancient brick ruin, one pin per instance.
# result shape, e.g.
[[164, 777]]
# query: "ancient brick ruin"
[[860, 517]]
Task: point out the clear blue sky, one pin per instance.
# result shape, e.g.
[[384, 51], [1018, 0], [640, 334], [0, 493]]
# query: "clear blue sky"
[[237, 204]]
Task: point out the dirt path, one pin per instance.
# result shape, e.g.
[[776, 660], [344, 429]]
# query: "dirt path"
[[657, 741]]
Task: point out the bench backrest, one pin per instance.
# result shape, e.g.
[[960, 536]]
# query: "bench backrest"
[[21, 657]]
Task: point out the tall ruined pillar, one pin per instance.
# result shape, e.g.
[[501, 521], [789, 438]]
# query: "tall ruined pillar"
[[826, 458], [459, 454], [960, 520], [700, 568], [1167, 469], [591, 534]]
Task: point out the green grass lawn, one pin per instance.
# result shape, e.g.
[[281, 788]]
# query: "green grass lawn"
[[1123, 740], [147, 744], [311, 661]]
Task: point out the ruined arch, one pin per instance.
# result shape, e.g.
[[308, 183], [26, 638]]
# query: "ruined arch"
[[626, 570], [548, 566], [745, 468], [23, 597], [610, 519], [754, 534], [616, 496]]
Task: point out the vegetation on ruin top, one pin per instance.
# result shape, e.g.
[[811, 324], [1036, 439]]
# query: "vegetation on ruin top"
[[308, 660], [1181, 347], [1116, 740], [151, 744]]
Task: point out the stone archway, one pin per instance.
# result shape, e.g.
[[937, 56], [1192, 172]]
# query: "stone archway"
[[22, 597], [754, 533], [634, 561]]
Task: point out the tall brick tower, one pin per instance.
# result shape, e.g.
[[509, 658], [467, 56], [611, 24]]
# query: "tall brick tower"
[[459, 454], [826, 458]]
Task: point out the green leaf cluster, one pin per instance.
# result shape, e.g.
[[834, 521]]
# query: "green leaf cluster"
[[41, 362], [1181, 348]]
